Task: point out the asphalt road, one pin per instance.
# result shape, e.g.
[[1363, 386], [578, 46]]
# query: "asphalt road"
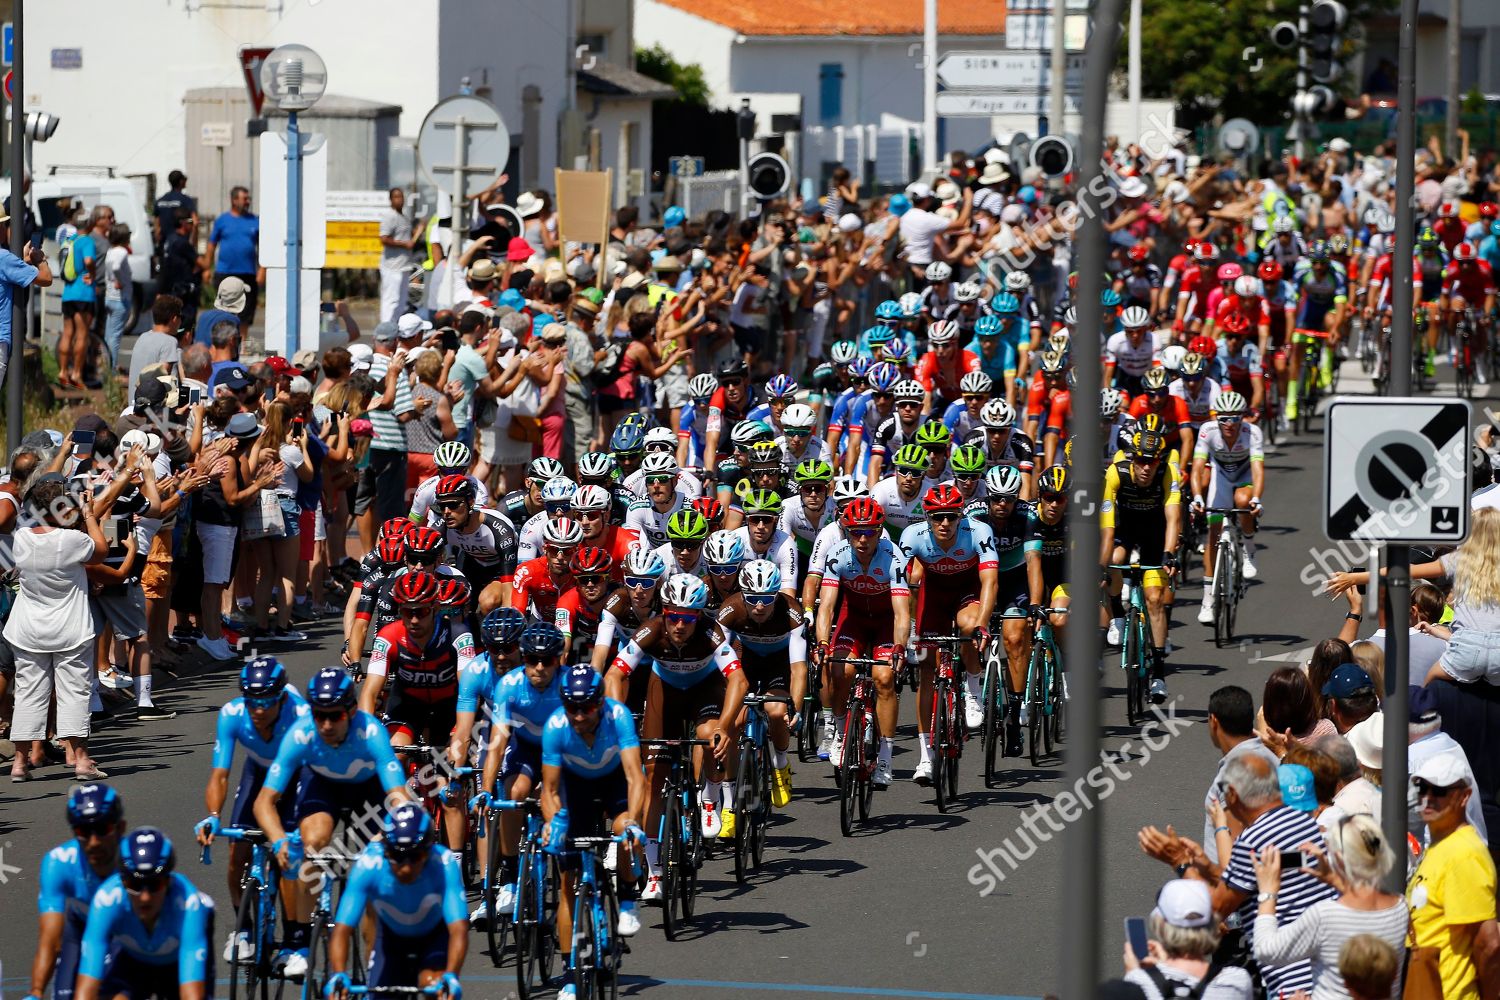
[[896, 910]]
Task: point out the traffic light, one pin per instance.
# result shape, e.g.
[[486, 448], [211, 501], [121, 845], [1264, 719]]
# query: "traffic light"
[[1325, 21]]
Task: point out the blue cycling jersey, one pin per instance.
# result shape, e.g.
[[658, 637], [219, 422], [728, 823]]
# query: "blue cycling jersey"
[[67, 883], [995, 367], [849, 410], [688, 422], [563, 747], [523, 709], [761, 412], [868, 350], [973, 547], [435, 897], [179, 938], [365, 753], [236, 727], [1489, 252], [476, 684]]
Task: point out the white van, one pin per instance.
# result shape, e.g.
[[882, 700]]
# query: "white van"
[[90, 186]]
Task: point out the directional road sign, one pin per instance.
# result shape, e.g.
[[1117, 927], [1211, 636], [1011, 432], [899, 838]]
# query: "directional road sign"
[[1397, 470], [1001, 70], [967, 104]]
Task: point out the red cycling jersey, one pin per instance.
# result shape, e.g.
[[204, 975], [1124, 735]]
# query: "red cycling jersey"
[[1173, 410], [426, 674], [1450, 231], [1251, 307], [942, 379], [534, 592], [1197, 283], [1040, 394], [1473, 282]]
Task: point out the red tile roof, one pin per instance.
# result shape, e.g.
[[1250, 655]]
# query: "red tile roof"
[[846, 17]]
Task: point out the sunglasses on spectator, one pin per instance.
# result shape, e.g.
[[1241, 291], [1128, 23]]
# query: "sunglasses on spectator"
[[681, 617], [760, 600], [640, 582], [1434, 791], [723, 570]]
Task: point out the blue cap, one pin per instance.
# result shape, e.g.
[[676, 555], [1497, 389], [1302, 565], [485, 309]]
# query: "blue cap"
[[1346, 680], [1297, 787], [900, 204], [674, 216], [511, 297], [1027, 194], [1421, 703]]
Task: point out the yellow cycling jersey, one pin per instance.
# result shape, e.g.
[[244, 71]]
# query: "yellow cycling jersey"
[[1123, 499]]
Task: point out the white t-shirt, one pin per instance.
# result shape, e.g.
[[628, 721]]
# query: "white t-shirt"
[[748, 297], [51, 613], [117, 287], [919, 228]]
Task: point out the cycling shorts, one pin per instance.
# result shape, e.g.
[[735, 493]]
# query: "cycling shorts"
[[862, 636], [339, 799], [637, 684], [1222, 485], [1015, 590], [593, 800], [421, 721], [397, 960], [1010, 358], [670, 711], [130, 977], [766, 674], [1312, 315], [941, 598], [252, 777], [521, 757], [1149, 538]]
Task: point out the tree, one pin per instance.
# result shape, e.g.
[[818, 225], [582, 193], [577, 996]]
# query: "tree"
[[685, 78], [1213, 55]]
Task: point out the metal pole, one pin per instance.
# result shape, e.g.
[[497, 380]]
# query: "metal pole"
[[1080, 908], [460, 202], [1301, 121], [293, 232], [929, 85], [744, 178], [1055, 109], [1135, 69], [18, 326], [1398, 557], [1455, 36]]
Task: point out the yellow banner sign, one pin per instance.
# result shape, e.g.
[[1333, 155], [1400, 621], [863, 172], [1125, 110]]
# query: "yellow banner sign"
[[354, 245]]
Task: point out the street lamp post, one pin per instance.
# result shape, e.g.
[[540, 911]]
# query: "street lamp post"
[[294, 77]]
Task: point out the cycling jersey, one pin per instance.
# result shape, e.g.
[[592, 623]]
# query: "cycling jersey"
[[1427, 273], [767, 648], [899, 511], [865, 623], [942, 379], [848, 411], [1197, 403], [706, 650], [515, 507], [377, 602], [888, 436], [432, 900], [650, 524], [803, 528], [972, 550], [1197, 282], [814, 449], [997, 362], [781, 550], [1331, 287], [534, 592], [1252, 307], [235, 727], [563, 747], [1472, 282], [1286, 252], [574, 618], [668, 556], [1172, 409], [1232, 459], [1141, 282], [1131, 359], [1241, 368], [1050, 544], [66, 886], [486, 554], [690, 429], [365, 753], [427, 673], [938, 302], [120, 951], [960, 421], [422, 511], [1018, 451], [522, 707], [687, 483], [1131, 506], [1450, 231]]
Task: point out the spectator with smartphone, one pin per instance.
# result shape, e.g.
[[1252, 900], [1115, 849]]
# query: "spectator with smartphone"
[[1183, 936], [282, 451]]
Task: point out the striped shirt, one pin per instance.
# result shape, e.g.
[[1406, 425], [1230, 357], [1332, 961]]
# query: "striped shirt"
[[1286, 829], [390, 435], [1320, 932]]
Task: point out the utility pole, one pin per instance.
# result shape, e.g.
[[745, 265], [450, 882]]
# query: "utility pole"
[[929, 84], [18, 326], [1455, 56], [1303, 121], [1056, 122]]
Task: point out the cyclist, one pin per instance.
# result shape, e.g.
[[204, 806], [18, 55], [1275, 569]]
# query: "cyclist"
[[628, 443], [730, 404], [581, 605], [597, 468], [1007, 517], [954, 569], [149, 928], [1012, 342], [415, 889], [848, 408], [880, 405], [1157, 398], [763, 537], [696, 684], [350, 769], [1228, 471], [1058, 401], [934, 436], [1141, 281], [808, 511], [452, 458], [1322, 292], [941, 368], [625, 611], [591, 511], [1003, 444], [72, 873], [968, 464], [770, 634], [781, 392], [895, 432], [1195, 388], [986, 346], [483, 543], [1283, 243], [1241, 361], [962, 418], [519, 506], [648, 517], [687, 530], [1046, 549], [1129, 354], [865, 583], [268, 706], [722, 557], [900, 496], [421, 551], [690, 445], [1192, 295], [1428, 269], [1469, 283], [557, 501], [1115, 420], [591, 782], [539, 581], [1139, 521], [797, 442], [1281, 305], [846, 489]]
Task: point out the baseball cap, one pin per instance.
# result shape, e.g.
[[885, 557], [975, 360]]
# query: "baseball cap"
[[554, 333], [385, 332], [917, 190], [411, 325], [153, 390], [1421, 704], [281, 366], [359, 356], [1297, 787], [1443, 770], [1347, 680], [1185, 902], [233, 378], [145, 439]]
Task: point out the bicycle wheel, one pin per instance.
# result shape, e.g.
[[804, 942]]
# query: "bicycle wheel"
[[807, 733], [1131, 657], [762, 811], [992, 720], [869, 752], [694, 848], [317, 956], [587, 938], [607, 980], [956, 742], [1033, 696], [854, 722], [531, 975], [1367, 349], [247, 977], [744, 812], [496, 929], [939, 748], [673, 862], [1059, 703], [1224, 594], [1045, 706]]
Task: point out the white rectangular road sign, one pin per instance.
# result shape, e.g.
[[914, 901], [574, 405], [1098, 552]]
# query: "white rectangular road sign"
[[1029, 30], [1397, 469], [1002, 70], [964, 104]]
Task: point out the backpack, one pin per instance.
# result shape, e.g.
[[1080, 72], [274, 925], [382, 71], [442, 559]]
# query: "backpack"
[[69, 265], [1180, 991]]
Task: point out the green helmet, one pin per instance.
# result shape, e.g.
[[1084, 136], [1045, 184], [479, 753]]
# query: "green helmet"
[[763, 453], [687, 526], [912, 456], [762, 502], [814, 470], [934, 434], [967, 459]]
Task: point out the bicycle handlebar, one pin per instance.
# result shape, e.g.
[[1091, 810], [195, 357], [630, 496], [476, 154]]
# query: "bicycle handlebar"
[[766, 699], [675, 743], [1228, 510]]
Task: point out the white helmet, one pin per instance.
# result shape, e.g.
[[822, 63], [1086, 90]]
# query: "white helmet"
[[724, 548], [563, 531], [968, 291], [1060, 341], [1229, 403], [543, 469], [975, 383], [1017, 282], [846, 488], [591, 498], [684, 591], [658, 463], [1070, 317], [798, 416], [944, 331], [658, 436], [558, 489], [939, 271], [997, 415], [703, 385], [642, 560], [1283, 224], [1247, 286], [1134, 318], [1171, 357], [843, 352], [910, 303], [1003, 481], [760, 576], [908, 388], [1111, 402]]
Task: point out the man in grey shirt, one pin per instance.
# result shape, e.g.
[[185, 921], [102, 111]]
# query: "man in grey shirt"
[[396, 259], [161, 342]]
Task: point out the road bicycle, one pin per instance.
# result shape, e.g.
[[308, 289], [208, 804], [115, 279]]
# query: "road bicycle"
[[1465, 331], [458, 785], [1309, 377], [596, 947], [1042, 703], [946, 730], [996, 684], [529, 918], [1135, 640], [334, 865], [807, 727], [752, 802], [1229, 583], [255, 917], [855, 772], [680, 835]]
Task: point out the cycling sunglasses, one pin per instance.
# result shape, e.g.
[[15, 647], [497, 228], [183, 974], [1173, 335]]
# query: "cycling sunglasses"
[[724, 570], [1052, 497], [905, 403], [912, 473], [404, 855], [760, 600], [590, 578], [640, 582], [417, 612], [798, 432], [882, 395], [662, 477], [138, 884], [761, 519], [1229, 420], [543, 661], [263, 701], [863, 532], [812, 487], [449, 504], [85, 831], [966, 477], [943, 515], [681, 617], [558, 506], [338, 715], [727, 382], [685, 544]]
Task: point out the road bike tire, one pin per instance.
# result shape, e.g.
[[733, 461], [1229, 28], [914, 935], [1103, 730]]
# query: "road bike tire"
[[1223, 596], [533, 964], [1493, 353], [317, 956], [939, 746], [695, 848], [246, 976], [1131, 655], [807, 733], [992, 718], [869, 753], [762, 811], [586, 942], [1045, 706], [956, 728], [496, 930], [608, 980], [673, 855], [854, 722], [744, 814], [1033, 702], [1059, 703]]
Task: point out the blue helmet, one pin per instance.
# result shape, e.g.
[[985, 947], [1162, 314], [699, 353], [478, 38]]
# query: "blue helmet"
[[884, 376], [263, 677], [861, 366], [879, 334], [781, 387], [541, 639], [989, 326], [408, 829], [94, 804], [502, 627], [674, 216], [889, 309], [331, 688], [1495, 228], [628, 437], [145, 854], [1110, 299], [898, 352], [1005, 304], [582, 687]]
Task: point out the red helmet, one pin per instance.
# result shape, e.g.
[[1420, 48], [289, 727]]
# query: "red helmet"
[[392, 549], [397, 527], [590, 559], [1203, 345], [453, 592], [863, 512], [456, 487], [1138, 253], [419, 588], [1488, 210], [1234, 324], [1205, 253], [711, 509], [425, 542], [1270, 271], [1447, 209], [1073, 281], [1230, 271], [1190, 248], [1464, 252], [944, 496]]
